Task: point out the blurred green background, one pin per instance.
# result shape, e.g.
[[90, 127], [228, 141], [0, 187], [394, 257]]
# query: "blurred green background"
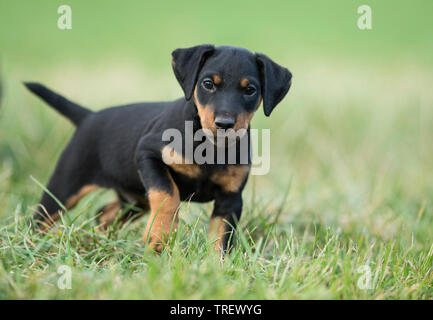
[[147, 31], [353, 136]]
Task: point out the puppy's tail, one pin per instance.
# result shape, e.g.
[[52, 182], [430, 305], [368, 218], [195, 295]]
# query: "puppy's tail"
[[69, 109]]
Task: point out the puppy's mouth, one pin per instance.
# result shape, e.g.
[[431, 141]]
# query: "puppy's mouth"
[[222, 138]]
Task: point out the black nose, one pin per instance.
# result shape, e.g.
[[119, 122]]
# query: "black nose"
[[224, 123]]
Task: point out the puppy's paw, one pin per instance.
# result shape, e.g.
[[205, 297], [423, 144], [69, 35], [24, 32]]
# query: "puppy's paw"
[[154, 241]]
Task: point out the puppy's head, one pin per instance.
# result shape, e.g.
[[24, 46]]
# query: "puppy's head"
[[229, 83]]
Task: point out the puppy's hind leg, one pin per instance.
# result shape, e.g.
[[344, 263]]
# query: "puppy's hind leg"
[[131, 209], [108, 214], [69, 183]]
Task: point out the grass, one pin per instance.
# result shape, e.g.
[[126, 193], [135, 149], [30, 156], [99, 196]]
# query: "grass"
[[351, 170]]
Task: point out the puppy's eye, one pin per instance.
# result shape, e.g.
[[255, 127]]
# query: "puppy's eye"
[[208, 84], [250, 90]]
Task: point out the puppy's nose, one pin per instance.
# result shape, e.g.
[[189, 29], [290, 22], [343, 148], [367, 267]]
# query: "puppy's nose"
[[224, 123]]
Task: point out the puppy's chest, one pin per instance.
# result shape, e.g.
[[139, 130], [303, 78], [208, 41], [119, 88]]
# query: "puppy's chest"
[[206, 178]]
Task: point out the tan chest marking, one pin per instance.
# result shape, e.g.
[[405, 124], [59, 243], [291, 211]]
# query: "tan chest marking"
[[231, 179], [178, 163]]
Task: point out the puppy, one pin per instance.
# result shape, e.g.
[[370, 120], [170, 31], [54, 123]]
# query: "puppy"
[[123, 148]]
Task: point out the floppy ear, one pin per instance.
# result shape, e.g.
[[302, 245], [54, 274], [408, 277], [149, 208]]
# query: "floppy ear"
[[276, 81], [187, 64]]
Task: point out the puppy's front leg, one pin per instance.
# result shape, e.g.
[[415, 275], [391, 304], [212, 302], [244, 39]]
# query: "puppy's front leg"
[[226, 213], [164, 201]]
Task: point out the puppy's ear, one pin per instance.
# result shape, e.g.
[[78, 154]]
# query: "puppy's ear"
[[276, 81], [187, 64]]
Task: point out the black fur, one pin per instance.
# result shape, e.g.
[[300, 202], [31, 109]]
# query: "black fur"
[[70, 110], [186, 65], [276, 82]]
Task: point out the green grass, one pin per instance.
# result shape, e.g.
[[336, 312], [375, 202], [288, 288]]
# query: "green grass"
[[351, 173]]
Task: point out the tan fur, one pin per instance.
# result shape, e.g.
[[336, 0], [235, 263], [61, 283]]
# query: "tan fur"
[[49, 220], [179, 163], [231, 178], [217, 229], [111, 210], [73, 201], [109, 214], [206, 114], [216, 79], [163, 217], [244, 119], [244, 82]]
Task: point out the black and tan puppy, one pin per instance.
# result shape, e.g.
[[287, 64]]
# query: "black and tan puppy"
[[122, 147]]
